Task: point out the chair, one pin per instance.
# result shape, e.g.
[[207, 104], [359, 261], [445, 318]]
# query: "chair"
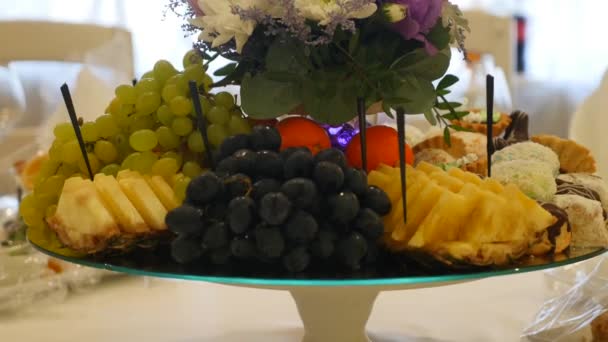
[[588, 124], [493, 35], [67, 42]]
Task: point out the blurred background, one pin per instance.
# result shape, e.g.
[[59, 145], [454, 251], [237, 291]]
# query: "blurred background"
[[545, 53]]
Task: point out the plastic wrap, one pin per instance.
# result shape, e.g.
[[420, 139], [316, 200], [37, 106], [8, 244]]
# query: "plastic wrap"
[[577, 294]]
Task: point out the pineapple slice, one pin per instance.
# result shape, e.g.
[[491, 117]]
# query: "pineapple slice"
[[129, 218], [464, 176], [492, 185], [428, 168], [82, 220], [447, 218], [423, 204], [143, 198], [447, 181], [401, 231], [163, 191]]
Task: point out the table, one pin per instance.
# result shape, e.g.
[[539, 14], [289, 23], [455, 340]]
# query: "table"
[[144, 309]]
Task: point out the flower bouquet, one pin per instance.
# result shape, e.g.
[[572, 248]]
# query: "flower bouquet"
[[323, 58]]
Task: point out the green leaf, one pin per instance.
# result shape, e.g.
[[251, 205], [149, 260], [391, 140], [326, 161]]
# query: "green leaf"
[[460, 128], [446, 82], [448, 105], [413, 95], [287, 57], [455, 115], [447, 137], [420, 64], [225, 70], [430, 117], [353, 43], [387, 110], [443, 92], [262, 98], [439, 36], [333, 109]]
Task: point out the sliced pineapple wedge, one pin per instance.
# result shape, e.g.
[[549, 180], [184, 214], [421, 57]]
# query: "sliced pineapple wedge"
[[123, 210], [163, 191], [143, 198]]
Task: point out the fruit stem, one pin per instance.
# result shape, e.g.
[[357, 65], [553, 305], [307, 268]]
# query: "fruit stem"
[[362, 131], [401, 137], [69, 104], [489, 121], [201, 123]]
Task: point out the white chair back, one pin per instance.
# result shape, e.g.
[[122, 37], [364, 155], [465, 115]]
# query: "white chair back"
[[67, 42]]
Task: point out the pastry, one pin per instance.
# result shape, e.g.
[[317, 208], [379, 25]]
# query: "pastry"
[[433, 156], [587, 220], [557, 237], [599, 328], [533, 177], [592, 182], [528, 151], [476, 121], [468, 149], [516, 132], [573, 157]]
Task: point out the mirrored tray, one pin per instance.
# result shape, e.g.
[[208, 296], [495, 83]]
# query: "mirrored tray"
[[332, 308]]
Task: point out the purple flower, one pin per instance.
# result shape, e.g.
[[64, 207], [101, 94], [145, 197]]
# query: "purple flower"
[[421, 16]]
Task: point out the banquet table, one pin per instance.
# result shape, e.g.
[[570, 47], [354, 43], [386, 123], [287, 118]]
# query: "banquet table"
[[146, 309]]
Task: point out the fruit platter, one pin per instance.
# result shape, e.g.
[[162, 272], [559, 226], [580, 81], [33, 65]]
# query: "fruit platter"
[[298, 190]]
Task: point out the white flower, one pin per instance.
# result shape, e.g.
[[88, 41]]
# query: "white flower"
[[393, 12], [220, 25], [322, 11]]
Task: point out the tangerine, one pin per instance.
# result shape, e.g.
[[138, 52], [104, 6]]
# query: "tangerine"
[[382, 148], [298, 131]]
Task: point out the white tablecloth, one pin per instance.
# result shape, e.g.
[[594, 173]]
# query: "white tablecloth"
[[142, 309]]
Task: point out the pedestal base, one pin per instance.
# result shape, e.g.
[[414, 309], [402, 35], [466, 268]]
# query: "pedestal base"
[[336, 314]]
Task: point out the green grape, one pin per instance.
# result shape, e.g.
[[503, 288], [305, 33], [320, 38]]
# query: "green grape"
[[45, 200], [170, 91], [67, 170], [29, 211], [121, 142], [89, 132], [105, 151], [126, 94], [195, 142], [47, 169], [147, 103], [126, 109], [50, 211], [205, 105], [225, 100], [207, 82], [218, 115], [146, 85], [163, 70], [55, 151], [93, 162], [52, 185], [191, 169], [217, 134], [110, 169], [147, 74], [142, 122], [106, 125], [113, 106], [195, 72], [182, 126], [122, 120], [164, 115], [143, 140], [64, 131], [129, 162], [192, 57], [165, 167], [180, 106], [181, 82], [172, 154], [70, 152], [179, 187], [166, 138], [143, 163], [238, 125]]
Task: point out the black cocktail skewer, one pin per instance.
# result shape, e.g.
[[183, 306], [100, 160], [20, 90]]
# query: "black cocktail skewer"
[[401, 137], [490, 120], [67, 98], [201, 123], [361, 111]]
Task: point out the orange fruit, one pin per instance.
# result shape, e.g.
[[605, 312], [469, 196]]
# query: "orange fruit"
[[302, 132], [382, 148]]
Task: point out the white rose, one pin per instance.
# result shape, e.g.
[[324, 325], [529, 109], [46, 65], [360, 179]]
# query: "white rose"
[[322, 10]]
